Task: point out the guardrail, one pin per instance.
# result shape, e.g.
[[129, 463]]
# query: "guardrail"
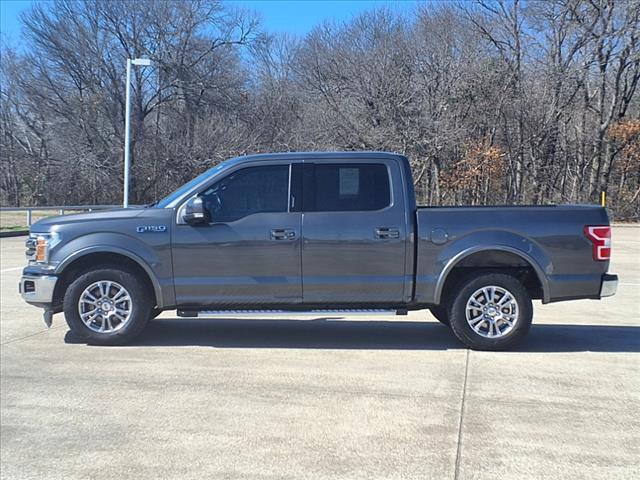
[[61, 209]]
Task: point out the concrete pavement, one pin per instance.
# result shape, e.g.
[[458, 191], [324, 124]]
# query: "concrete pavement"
[[326, 398]]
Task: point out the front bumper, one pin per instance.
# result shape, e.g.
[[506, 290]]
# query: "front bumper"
[[609, 285], [37, 289]]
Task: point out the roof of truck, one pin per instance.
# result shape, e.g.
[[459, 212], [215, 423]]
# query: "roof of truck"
[[317, 155]]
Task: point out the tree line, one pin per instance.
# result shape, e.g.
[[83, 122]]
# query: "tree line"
[[494, 102]]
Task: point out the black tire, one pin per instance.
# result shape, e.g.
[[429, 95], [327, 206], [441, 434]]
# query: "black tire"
[[441, 314], [467, 335], [141, 306]]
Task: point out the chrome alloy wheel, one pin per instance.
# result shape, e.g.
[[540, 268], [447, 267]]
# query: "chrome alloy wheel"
[[492, 311], [105, 306]]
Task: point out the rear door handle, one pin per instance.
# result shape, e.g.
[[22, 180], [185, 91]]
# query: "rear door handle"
[[283, 234], [387, 232]]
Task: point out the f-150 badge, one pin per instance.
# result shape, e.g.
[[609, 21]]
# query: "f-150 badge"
[[151, 228]]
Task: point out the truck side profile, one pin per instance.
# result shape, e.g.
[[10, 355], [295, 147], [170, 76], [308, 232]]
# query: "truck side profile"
[[315, 231]]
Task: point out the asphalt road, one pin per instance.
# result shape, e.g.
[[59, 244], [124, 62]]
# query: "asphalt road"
[[325, 398]]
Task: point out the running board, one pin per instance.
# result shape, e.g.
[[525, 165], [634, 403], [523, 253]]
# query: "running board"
[[286, 313]]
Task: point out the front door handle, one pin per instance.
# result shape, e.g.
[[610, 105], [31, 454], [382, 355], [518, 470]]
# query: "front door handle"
[[387, 232], [283, 234]]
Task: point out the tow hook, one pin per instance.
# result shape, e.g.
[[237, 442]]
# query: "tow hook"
[[48, 317]]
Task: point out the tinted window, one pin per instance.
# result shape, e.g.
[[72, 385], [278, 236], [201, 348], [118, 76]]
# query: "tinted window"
[[189, 185], [346, 187], [248, 191]]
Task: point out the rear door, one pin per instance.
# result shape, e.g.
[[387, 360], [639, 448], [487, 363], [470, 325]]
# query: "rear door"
[[354, 233]]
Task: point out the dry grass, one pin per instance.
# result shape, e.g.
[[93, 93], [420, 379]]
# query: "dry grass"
[[17, 220]]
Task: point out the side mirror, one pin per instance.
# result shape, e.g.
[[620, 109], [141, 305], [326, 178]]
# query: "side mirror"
[[194, 212]]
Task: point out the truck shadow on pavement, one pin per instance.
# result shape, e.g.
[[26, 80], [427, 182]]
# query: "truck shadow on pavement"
[[335, 333]]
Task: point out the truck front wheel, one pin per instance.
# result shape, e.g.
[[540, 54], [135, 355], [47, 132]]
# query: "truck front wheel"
[[491, 311], [107, 306], [440, 313]]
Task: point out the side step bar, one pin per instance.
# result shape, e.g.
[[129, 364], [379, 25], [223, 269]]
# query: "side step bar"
[[285, 313]]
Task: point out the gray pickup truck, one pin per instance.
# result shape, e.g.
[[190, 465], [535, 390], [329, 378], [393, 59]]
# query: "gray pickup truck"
[[315, 231]]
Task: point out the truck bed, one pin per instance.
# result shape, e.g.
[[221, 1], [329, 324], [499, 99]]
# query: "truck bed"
[[548, 237]]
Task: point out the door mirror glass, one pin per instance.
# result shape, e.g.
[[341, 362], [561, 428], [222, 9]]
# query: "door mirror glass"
[[195, 212]]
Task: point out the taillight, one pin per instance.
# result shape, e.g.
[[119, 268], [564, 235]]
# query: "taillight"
[[600, 236]]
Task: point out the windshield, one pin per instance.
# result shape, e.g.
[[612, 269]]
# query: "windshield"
[[188, 186]]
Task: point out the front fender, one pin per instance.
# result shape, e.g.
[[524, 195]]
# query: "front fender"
[[499, 240], [144, 255]]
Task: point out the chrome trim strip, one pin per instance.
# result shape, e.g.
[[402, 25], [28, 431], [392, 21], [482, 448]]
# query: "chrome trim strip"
[[291, 313]]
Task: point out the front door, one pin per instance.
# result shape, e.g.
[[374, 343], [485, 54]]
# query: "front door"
[[248, 255], [354, 228]]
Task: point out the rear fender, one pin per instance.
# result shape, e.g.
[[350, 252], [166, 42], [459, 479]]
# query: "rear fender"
[[498, 240]]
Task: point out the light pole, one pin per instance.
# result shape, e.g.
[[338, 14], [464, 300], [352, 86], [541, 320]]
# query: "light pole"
[[143, 62]]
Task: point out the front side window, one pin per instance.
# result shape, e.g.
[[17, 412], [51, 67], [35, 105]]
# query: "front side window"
[[347, 187], [247, 191]]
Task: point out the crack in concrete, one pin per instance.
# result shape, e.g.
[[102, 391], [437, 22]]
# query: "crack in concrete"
[[456, 474], [15, 340]]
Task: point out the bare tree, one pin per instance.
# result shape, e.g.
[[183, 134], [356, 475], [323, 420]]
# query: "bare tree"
[[493, 101]]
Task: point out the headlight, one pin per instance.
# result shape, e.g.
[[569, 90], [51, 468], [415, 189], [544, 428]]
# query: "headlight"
[[39, 246]]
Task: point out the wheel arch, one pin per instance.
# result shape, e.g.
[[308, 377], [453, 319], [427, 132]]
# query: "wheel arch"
[[81, 260], [464, 257]]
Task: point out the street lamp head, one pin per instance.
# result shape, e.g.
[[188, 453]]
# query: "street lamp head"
[[143, 62]]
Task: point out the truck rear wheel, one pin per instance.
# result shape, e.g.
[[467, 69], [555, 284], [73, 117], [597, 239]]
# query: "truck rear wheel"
[[107, 306], [491, 311]]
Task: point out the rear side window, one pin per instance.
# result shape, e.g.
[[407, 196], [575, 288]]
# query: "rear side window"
[[346, 187], [248, 191]]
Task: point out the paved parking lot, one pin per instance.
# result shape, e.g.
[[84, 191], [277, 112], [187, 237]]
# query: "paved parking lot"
[[325, 398]]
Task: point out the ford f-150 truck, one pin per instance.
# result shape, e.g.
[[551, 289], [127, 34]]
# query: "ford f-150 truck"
[[315, 231]]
